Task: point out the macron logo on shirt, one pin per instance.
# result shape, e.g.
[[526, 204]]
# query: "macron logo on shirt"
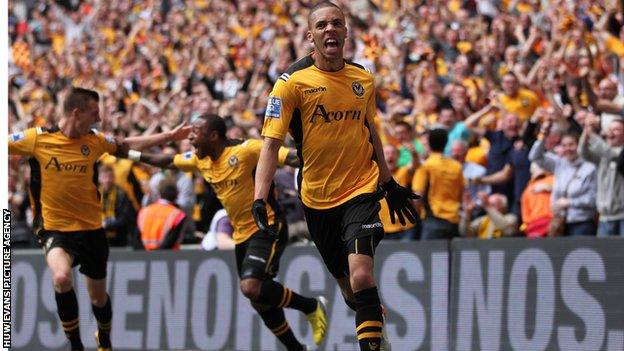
[[274, 107]]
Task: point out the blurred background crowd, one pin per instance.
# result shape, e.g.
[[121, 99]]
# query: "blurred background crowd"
[[505, 114]]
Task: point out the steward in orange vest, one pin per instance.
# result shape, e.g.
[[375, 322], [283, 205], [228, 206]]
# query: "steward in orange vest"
[[162, 223]]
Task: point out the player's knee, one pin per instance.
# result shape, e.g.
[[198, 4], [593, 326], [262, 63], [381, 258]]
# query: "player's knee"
[[250, 288], [62, 281], [361, 278]]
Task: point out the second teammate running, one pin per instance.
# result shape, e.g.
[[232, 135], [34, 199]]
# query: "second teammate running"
[[229, 167]]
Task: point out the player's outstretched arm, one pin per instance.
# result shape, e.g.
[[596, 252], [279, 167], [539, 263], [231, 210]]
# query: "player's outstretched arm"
[[157, 160], [142, 142]]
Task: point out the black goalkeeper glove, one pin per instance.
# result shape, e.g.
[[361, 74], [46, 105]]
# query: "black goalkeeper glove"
[[399, 204], [259, 212]]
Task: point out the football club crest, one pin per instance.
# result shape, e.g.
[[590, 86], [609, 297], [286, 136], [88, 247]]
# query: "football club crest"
[[233, 161], [357, 88], [85, 150]]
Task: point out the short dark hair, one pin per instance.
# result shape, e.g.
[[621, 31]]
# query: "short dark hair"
[[78, 98], [445, 104], [168, 190], [473, 58], [321, 5], [437, 139], [216, 123], [571, 134]]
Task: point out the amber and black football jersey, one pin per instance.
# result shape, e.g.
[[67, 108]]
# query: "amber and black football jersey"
[[63, 185], [328, 114], [232, 178]]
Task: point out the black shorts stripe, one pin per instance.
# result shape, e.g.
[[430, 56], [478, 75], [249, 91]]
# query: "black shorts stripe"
[[258, 257], [351, 228]]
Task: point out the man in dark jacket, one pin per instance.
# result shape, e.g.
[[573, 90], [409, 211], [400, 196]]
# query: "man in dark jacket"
[[118, 214]]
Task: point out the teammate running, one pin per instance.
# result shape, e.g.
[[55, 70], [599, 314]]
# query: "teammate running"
[[66, 204], [229, 167]]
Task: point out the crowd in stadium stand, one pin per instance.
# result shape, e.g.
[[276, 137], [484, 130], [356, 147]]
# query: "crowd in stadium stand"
[[530, 95]]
